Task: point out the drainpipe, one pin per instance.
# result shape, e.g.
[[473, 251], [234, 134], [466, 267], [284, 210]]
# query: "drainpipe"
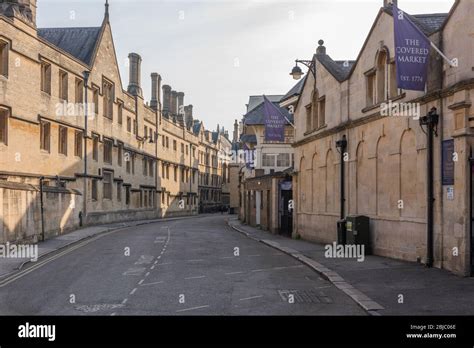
[[42, 208], [86, 75]]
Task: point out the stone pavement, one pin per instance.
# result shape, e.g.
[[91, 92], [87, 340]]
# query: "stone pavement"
[[9, 266], [378, 284]]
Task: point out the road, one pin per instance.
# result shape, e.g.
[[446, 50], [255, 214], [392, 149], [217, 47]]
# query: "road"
[[196, 266]]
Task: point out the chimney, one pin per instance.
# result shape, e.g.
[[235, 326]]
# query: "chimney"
[[236, 132], [188, 114], [174, 101], [180, 96], [388, 3], [134, 86], [166, 100], [321, 50], [24, 10], [155, 91], [226, 134]]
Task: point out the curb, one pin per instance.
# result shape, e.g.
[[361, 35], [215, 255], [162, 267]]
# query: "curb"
[[98, 234], [369, 305]]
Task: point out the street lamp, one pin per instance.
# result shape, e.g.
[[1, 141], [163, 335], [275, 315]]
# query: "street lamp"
[[296, 72], [430, 121], [341, 146]]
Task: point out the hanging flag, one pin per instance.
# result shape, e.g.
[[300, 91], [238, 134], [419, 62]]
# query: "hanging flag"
[[275, 121], [412, 49]]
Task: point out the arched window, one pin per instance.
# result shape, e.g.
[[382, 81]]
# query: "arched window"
[[381, 76], [314, 107]]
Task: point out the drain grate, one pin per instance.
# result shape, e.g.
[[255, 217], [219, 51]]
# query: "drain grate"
[[305, 296]]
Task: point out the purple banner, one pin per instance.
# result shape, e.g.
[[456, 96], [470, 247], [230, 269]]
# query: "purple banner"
[[412, 49], [275, 122]]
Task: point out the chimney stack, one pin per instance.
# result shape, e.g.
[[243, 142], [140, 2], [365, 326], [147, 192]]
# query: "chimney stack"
[[155, 91], [388, 3], [180, 96], [188, 114], [25, 10], [174, 101], [321, 50], [134, 85], [166, 100], [236, 132]]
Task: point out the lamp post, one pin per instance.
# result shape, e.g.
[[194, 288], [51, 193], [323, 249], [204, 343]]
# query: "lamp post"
[[430, 121], [86, 75], [296, 72], [190, 178], [341, 146]]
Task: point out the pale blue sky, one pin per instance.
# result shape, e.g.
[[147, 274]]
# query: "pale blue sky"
[[218, 52]]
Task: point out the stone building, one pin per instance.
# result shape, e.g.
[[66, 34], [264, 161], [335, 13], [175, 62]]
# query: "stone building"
[[385, 162], [76, 146]]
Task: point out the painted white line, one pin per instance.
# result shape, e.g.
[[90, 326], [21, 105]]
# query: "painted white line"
[[198, 277], [163, 264], [250, 298], [152, 267], [125, 301], [234, 273], [199, 260], [260, 270], [146, 284], [113, 314], [141, 282], [133, 291], [191, 309], [147, 274]]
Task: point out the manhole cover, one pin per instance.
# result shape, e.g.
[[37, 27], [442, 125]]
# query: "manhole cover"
[[304, 296]]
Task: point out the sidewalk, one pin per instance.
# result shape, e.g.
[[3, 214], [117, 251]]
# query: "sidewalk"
[[10, 266], [378, 281]]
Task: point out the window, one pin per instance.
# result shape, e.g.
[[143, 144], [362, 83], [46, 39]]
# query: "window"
[[322, 112], [107, 185], [79, 91], [182, 148], [63, 85], [167, 172], [119, 192], [94, 190], [95, 147], [133, 163], [175, 173], [135, 126], [4, 47], [127, 161], [309, 116], [62, 140], [119, 153], [315, 111], [129, 124], [162, 170], [108, 88], [283, 160], [268, 160], [95, 99], [381, 76], [3, 126], [145, 200], [175, 145], [108, 146], [127, 195], [151, 164], [78, 143], [370, 78], [45, 136], [145, 131], [163, 198], [145, 166], [46, 77], [120, 114], [167, 142], [182, 175], [163, 141], [187, 151]]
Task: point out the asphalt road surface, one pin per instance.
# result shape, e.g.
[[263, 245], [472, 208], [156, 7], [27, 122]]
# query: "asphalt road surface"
[[196, 266]]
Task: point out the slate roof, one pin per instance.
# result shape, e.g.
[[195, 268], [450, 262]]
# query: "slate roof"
[[256, 116], [256, 100], [197, 127], [295, 90], [428, 23], [340, 69], [79, 42]]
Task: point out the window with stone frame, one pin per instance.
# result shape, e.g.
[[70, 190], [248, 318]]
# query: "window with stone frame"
[[381, 76], [4, 114], [283, 160], [129, 124], [78, 136], [309, 117], [4, 48], [95, 100], [63, 85], [322, 112], [394, 91], [175, 145], [46, 78], [132, 159], [108, 150], [109, 96], [127, 162], [94, 189], [315, 110], [127, 195], [268, 160], [370, 83], [95, 147], [145, 166], [79, 92], [119, 153], [45, 136], [120, 113], [135, 126], [175, 173], [119, 191], [62, 140], [107, 181], [151, 164]]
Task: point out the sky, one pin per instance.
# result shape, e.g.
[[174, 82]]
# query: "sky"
[[219, 52]]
